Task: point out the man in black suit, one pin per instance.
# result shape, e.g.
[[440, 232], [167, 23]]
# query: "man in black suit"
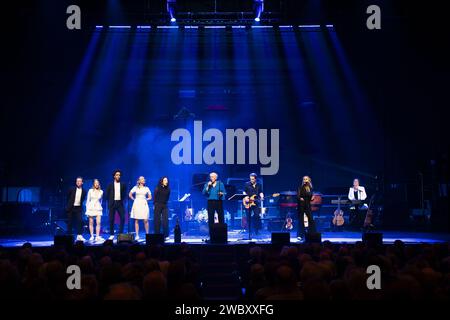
[[116, 193], [75, 199]]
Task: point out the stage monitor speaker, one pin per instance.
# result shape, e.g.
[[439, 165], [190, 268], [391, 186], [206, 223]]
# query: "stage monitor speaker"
[[125, 238], [154, 238], [64, 240], [219, 233], [281, 238], [372, 238], [313, 237]]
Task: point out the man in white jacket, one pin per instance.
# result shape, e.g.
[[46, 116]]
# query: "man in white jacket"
[[357, 192]]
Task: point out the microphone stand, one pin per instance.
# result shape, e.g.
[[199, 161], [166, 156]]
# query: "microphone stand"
[[128, 207]]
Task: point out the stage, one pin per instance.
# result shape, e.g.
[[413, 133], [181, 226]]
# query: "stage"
[[236, 238], [195, 117]]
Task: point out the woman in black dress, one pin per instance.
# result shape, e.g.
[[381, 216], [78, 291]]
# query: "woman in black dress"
[[304, 198], [161, 197]]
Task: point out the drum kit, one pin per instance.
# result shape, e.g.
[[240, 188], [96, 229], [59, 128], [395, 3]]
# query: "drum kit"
[[202, 216]]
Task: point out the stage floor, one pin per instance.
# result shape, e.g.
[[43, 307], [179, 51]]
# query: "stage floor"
[[236, 237]]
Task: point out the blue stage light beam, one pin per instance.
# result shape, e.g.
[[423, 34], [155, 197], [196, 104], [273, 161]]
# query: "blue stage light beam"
[[115, 13], [324, 71], [258, 8], [361, 107], [171, 10], [301, 90], [106, 76], [63, 123]]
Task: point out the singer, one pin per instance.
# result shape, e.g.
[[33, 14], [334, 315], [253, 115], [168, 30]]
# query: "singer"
[[215, 192]]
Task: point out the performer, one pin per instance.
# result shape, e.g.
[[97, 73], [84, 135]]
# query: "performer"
[[94, 210], [215, 192], [254, 190], [355, 193], [116, 193], [140, 210], [304, 198], [161, 212], [75, 199]]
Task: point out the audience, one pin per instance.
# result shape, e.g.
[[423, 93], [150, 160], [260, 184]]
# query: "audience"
[[299, 272]]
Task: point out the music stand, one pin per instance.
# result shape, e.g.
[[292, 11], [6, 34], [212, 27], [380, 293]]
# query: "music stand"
[[239, 197], [185, 199]]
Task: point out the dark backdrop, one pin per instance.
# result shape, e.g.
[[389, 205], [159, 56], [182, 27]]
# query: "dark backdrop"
[[349, 102]]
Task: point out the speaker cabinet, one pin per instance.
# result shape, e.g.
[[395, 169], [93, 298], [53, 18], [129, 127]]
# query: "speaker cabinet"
[[154, 238], [372, 238], [219, 233], [125, 238], [281, 238], [313, 237], [64, 240]]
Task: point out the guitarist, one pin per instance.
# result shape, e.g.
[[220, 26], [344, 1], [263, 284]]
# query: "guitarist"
[[304, 198], [255, 194]]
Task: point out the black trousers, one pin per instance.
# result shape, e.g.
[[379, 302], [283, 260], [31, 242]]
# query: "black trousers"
[[305, 208], [161, 215], [117, 205], [212, 207], [356, 218], [74, 213], [253, 223]]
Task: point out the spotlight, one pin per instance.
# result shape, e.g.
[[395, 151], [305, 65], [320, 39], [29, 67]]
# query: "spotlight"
[[258, 9], [171, 4]]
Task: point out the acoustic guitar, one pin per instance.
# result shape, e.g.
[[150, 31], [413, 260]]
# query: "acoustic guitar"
[[288, 225], [338, 219]]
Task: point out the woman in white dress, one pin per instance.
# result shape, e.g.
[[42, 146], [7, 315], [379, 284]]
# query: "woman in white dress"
[[94, 209], [140, 209]]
